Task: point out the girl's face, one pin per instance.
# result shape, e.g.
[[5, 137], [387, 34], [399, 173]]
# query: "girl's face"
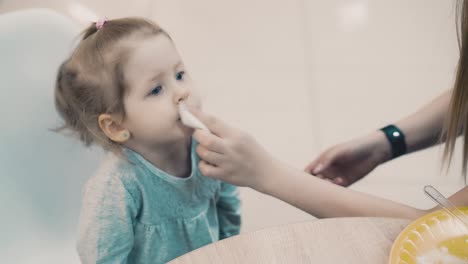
[[157, 81]]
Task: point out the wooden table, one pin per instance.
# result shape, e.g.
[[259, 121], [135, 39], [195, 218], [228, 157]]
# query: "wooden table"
[[338, 240]]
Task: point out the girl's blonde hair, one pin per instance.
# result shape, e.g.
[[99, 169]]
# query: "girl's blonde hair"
[[457, 119], [92, 82]]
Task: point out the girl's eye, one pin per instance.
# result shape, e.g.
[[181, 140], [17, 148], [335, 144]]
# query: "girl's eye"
[[180, 75], [156, 90]]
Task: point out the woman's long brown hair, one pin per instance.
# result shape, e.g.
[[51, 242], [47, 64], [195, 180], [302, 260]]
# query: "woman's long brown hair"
[[455, 123]]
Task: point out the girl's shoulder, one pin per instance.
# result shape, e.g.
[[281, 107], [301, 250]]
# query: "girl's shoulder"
[[114, 167], [114, 173]]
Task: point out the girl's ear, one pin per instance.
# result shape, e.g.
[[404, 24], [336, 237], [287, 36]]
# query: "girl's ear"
[[112, 128]]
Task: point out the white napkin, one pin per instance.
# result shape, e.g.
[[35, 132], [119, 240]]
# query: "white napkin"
[[189, 119]]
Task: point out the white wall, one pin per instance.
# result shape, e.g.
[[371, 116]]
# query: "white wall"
[[304, 75]]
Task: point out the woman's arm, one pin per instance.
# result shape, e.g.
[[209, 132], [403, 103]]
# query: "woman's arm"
[[323, 199], [235, 157], [348, 162], [422, 129]]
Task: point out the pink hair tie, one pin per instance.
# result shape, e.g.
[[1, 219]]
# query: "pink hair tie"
[[100, 23]]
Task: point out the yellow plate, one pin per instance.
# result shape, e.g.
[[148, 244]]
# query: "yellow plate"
[[434, 236]]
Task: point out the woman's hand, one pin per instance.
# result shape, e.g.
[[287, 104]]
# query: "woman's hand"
[[346, 163], [231, 155]]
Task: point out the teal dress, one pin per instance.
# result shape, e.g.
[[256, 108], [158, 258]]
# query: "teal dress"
[[133, 212]]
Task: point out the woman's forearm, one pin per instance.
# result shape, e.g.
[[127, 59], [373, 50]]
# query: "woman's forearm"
[[323, 199], [422, 128]]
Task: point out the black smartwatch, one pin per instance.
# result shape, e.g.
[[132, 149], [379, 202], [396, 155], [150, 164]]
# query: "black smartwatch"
[[396, 139]]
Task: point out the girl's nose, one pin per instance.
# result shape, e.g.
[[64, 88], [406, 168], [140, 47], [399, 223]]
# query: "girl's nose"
[[182, 94]]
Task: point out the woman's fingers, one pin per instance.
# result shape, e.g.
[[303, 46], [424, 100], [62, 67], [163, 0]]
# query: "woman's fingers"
[[311, 167], [208, 170], [210, 141], [213, 158], [339, 181], [214, 124], [343, 181], [321, 164]]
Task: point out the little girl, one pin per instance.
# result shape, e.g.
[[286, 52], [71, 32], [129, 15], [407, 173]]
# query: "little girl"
[[148, 202]]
